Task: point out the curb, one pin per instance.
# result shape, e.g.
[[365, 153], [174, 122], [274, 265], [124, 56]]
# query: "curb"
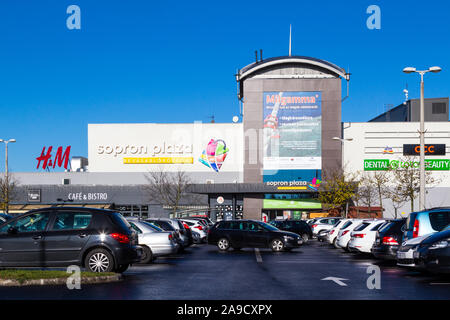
[[58, 281]]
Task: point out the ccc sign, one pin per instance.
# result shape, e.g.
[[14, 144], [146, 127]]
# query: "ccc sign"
[[430, 149]]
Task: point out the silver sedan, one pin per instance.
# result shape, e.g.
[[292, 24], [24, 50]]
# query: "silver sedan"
[[154, 241]]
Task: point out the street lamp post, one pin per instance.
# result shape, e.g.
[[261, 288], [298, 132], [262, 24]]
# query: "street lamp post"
[[342, 140], [6, 172], [422, 131]]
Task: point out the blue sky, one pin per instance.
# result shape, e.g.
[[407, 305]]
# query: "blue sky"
[[146, 61]]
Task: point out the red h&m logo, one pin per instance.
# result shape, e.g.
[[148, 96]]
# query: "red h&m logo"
[[47, 161]]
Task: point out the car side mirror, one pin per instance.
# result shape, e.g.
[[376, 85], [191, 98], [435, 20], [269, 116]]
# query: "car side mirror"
[[12, 230]]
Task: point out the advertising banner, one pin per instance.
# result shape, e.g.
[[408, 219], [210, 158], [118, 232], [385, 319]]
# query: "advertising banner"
[[291, 204], [190, 147], [292, 130], [386, 164]]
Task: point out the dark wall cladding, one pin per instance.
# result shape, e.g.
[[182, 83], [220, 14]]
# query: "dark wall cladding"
[[77, 194], [254, 89]]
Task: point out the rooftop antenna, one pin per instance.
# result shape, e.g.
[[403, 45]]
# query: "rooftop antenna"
[[290, 39]]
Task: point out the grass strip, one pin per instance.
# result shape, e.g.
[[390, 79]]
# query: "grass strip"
[[23, 275]]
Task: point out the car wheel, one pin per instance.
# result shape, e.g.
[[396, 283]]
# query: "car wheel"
[[277, 245], [99, 260], [223, 244], [335, 243], [122, 268], [147, 255], [305, 238]]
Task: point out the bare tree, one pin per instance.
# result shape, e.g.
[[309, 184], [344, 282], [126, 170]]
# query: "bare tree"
[[406, 178], [380, 182], [397, 197], [367, 190], [169, 189], [8, 192]]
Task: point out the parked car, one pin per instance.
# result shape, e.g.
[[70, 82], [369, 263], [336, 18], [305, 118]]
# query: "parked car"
[[405, 253], [206, 219], [250, 233], [363, 236], [323, 235], [426, 222], [299, 227], [154, 243], [311, 221], [198, 227], [433, 253], [388, 239], [196, 237], [99, 240], [323, 224], [168, 225], [187, 232], [343, 237], [333, 232]]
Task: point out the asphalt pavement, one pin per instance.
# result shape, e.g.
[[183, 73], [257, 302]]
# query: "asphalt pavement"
[[314, 271]]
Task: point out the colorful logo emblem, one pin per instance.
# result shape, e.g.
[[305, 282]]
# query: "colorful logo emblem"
[[315, 183], [214, 155], [388, 150]]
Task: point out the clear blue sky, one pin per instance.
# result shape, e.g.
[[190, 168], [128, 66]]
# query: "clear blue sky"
[[160, 61]]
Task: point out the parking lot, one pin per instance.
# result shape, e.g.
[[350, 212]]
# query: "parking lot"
[[202, 272]]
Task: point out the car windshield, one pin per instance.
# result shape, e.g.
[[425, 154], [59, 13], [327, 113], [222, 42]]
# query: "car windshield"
[[362, 226], [150, 225], [337, 223], [439, 220], [386, 227], [268, 226], [163, 225], [377, 226], [120, 220], [348, 223]]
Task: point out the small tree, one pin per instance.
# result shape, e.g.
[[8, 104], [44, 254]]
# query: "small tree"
[[367, 191], [169, 189], [337, 188], [397, 198], [406, 178], [380, 182], [8, 190]]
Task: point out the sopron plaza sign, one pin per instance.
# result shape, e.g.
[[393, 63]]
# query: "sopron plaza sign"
[[386, 164]]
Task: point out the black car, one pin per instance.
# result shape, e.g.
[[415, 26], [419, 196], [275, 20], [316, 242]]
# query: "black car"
[[251, 233], [299, 227], [4, 217], [433, 253], [99, 240], [388, 240]]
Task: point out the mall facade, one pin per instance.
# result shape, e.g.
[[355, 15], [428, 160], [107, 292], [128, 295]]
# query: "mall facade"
[[266, 166]]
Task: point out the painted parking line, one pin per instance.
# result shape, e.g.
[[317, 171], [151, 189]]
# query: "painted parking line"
[[258, 255]]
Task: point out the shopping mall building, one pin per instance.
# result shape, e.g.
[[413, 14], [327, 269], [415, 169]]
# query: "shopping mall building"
[[266, 166]]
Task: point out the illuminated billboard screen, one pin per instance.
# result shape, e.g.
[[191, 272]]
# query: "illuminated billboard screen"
[[292, 132]]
